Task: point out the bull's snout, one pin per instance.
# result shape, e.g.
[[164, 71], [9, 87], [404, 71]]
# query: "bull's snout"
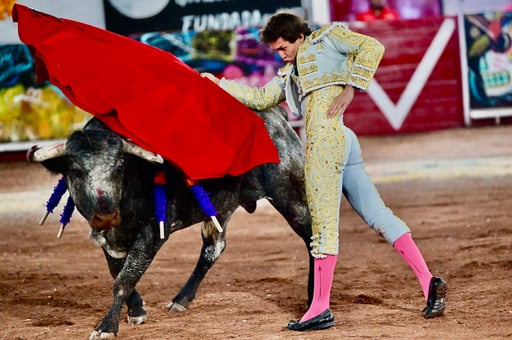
[[102, 221]]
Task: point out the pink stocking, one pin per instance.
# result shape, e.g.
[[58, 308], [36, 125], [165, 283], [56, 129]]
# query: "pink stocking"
[[406, 247], [324, 272]]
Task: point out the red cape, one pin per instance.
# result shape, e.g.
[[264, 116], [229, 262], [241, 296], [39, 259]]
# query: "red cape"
[[147, 95]]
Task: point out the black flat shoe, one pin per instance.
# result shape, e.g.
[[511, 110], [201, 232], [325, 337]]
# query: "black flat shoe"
[[322, 321], [436, 298]]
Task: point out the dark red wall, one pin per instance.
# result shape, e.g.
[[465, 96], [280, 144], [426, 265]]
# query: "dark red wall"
[[439, 104]]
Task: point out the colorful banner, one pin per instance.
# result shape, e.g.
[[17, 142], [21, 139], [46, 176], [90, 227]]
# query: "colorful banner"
[[489, 59], [127, 17], [30, 110], [234, 54]]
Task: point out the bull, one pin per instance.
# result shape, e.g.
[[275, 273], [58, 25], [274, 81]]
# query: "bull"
[[111, 184]]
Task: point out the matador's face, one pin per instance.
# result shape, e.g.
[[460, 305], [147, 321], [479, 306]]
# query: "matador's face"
[[287, 50]]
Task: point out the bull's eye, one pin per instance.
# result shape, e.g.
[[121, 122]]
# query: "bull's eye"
[[120, 165]]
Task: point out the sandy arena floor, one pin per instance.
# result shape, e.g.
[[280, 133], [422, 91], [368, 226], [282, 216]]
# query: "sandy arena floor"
[[453, 188]]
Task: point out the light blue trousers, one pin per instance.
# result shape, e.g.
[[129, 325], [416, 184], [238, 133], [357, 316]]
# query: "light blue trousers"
[[362, 195], [357, 187]]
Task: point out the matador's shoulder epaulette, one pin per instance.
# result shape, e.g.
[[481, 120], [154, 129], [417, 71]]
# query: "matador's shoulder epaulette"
[[320, 33]]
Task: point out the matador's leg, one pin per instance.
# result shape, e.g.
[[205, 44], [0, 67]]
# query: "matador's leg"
[[325, 149]]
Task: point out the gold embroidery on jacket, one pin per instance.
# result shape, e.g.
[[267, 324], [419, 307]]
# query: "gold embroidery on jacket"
[[325, 149], [255, 98], [362, 59]]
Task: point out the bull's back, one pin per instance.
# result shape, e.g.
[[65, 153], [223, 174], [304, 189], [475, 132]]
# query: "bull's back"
[[286, 140]]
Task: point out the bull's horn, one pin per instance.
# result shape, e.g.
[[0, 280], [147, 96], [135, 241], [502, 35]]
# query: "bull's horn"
[[134, 149], [36, 154]]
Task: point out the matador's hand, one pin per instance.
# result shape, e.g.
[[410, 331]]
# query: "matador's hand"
[[341, 102]]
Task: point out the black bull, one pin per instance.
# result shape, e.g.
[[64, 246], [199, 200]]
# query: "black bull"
[[113, 189]]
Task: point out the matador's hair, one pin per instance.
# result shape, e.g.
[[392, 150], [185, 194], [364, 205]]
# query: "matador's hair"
[[286, 25]]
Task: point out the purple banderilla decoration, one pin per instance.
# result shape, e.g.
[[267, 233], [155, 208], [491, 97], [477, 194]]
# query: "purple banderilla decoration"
[[160, 203], [65, 217], [204, 202], [53, 201], [160, 200]]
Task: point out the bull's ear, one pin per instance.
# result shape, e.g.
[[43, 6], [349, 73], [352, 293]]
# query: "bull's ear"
[[56, 165]]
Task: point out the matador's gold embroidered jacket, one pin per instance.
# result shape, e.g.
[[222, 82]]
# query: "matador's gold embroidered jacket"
[[331, 55]]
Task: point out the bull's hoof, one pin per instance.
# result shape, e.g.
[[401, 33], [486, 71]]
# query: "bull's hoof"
[[175, 307], [137, 315], [136, 320], [99, 335]]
